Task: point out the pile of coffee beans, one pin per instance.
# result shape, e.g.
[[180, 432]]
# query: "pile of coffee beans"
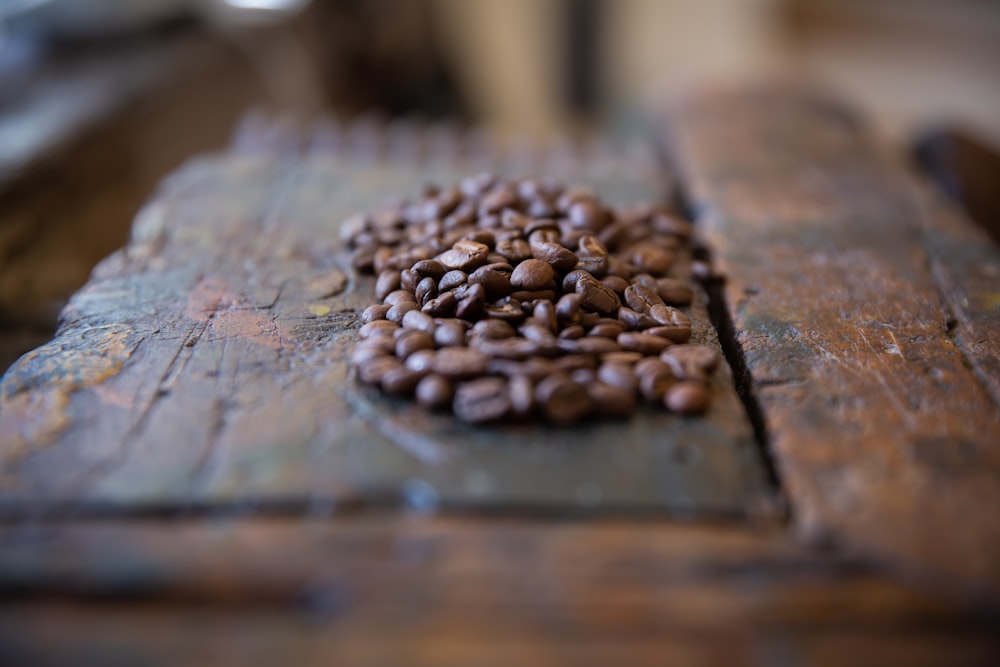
[[505, 300]]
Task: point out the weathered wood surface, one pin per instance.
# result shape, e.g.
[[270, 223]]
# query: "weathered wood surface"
[[205, 364], [394, 590], [869, 321]]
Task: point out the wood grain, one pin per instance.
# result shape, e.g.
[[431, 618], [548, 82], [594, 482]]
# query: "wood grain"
[[205, 365], [419, 590], [867, 320]]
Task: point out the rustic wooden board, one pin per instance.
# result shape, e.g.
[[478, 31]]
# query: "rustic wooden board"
[[205, 364], [415, 590], [868, 319]]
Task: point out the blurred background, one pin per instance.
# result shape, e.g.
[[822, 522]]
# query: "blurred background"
[[99, 99]]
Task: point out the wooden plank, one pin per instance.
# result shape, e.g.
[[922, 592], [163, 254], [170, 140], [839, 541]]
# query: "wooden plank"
[[205, 364], [416, 590], [842, 284]]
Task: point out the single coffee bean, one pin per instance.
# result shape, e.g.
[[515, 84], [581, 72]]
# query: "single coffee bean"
[[532, 274], [435, 392], [465, 256], [587, 213], [533, 295], [425, 291], [545, 312], [397, 297], [594, 345], [493, 329], [377, 328], [374, 312], [517, 349], [619, 375], [536, 333], [449, 334], [443, 306], [412, 340], [483, 400], [635, 321], [401, 381], [568, 308], [562, 401], [510, 311], [673, 324], [641, 342], [363, 354], [607, 330], [415, 319], [514, 251], [674, 292], [569, 280], [429, 268], [641, 298], [611, 401], [371, 371], [624, 357], [687, 398], [583, 376], [421, 360], [653, 261], [408, 279], [451, 280], [572, 332], [460, 363], [691, 361], [363, 258], [554, 254], [387, 281], [595, 296], [615, 283], [597, 266], [655, 381], [472, 304], [483, 236], [522, 395], [495, 279]]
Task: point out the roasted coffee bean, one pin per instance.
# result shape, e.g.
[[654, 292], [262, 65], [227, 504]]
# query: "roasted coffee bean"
[[493, 329], [363, 258], [514, 251], [465, 256], [533, 295], [569, 280], [451, 280], [653, 261], [412, 340], [619, 375], [607, 329], [401, 381], [378, 328], [655, 380], [562, 401], [595, 296], [522, 395], [429, 268], [545, 312], [573, 362], [611, 401], [587, 213], [483, 236], [616, 284], [590, 345], [555, 255], [641, 298], [511, 311], [483, 400], [408, 279], [460, 363], [435, 392], [421, 360], [472, 304], [426, 290], [372, 370], [518, 349], [387, 281], [374, 312], [415, 319], [673, 324], [674, 292], [641, 342], [532, 274], [635, 321], [568, 308], [495, 279], [687, 398], [449, 334], [362, 354], [572, 332], [397, 297], [442, 306], [668, 224], [583, 376], [624, 357], [691, 361]]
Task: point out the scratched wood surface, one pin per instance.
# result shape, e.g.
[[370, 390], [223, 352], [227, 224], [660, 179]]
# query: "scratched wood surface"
[[396, 589], [205, 363], [867, 315]]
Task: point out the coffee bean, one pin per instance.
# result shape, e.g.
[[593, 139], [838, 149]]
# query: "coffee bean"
[[619, 375], [451, 280], [401, 381], [465, 256], [397, 297], [412, 340], [460, 363], [435, 392], [691, 361], [493, 329], [674, 324], [545, 312], [611, 401], [591, 345], [408, 279], [572, 332], [472, 304], [623, 357], [562, 401], [483, 400], [607, 330], [652, 260], [425, 291], [363, 354], [655, 380], [374, 312], [533, 295], [643, 343], [372, 370], [615, 283], [587, 213], [687, 398], [387, 281], [415, 319], [508, 311], [377, 328], [449, 334], [532, 274], [442, 306], [554, 254], [635, 321], [515, 251], [421, 360], [674, 292], [495, 279], [429, 268], [596, 296], [641, 298], [522, 395]]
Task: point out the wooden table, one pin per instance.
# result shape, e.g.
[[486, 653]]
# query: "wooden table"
[[190, 475]]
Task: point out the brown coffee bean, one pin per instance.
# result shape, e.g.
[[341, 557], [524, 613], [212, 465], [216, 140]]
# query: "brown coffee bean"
[[465, 256], [429, 268], [374, 312], [554, 254], [483, 236], [591, 345], [569, 280], [442, 306], [668, 224], [387, 281], [508, 311], [587, 213], [654, 381], [641, 298], [426, 290], [483, 400], [611, 401], [415, 319], [408, 279], [674, 292], [643, 343], [377, 328], [522, 395], [516, 348], [562, 401], [595, 296], [514, 251], [401, 381], [451, 280], [623, 357], [365, 353], [460, 363], [397, 297], [449, 334], [472, 304], [532, 274], [421, 360], [694, 362], [545, 312], [412, 340], [615, 283], [688, 398], [607, 330], [530, 296], [495, 279], [493, 329], [651, 260], [363, 258], [371, 371], [674, 324], [435, 392], [619, 375], [635, 321], [498, 199]]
